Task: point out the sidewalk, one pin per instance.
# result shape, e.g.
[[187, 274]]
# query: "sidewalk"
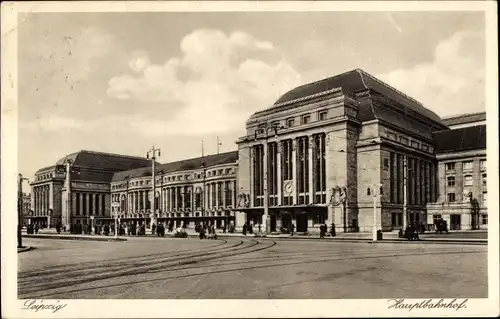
[[388, 237]]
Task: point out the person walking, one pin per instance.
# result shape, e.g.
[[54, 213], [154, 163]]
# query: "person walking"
[[292, 229]]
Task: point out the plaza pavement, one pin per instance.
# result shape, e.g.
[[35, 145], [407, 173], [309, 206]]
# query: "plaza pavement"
[[157, 268], [453, 237]]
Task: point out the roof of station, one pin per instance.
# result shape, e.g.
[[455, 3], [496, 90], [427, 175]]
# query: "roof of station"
[[462, 139], [105, 161], [464, 118], [179, 166], [352, 82]]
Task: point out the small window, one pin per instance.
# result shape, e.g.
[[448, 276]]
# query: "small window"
[[276, 124], [468, 165], [322, 115], [468, 180], [386, 164], [319, 219], [450, 166], [484, 179], [290, 122], [451, 180], [484, 219], [306, 119], [482, 164], [451, 197]]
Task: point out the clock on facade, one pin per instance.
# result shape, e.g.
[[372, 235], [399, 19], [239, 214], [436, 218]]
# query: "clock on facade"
[[288, 188]]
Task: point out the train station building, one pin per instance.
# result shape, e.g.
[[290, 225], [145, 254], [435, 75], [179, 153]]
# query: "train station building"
[[335, 150], [349, 150]]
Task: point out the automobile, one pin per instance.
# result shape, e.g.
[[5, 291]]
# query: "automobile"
[[180, 233]]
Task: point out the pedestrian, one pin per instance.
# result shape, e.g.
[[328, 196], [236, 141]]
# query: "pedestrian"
[[153, 228], [322, 231], [332, 230], [244, 232], [36, 229], [292, 229], [58, 228]]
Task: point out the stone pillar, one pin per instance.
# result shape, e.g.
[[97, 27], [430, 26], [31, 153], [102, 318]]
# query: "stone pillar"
[[217, 190], [418, 181], [87, 213], [310, 169], [294, 170], [51, 196], [94, 208], [233, 196], [80, 209], [279, 182], [251, 191], [73, 204]]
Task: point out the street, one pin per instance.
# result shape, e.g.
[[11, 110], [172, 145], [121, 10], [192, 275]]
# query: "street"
[[167, 268]]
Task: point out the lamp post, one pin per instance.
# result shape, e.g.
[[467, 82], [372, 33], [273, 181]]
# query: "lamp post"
[[20, 210], [375, 190], [266, 129], [153, 151]]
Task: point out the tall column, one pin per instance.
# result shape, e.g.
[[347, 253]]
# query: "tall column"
[[278, 172], [87, 213], [42, 200], [183, 197], [92, 198], [80, 208], [51, 196], [217, 190], [234, 194], [310, 169], [144, 200], [294, 170], [192, 199], [251, 191]]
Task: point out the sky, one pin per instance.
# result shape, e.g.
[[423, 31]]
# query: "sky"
[[123, 82]]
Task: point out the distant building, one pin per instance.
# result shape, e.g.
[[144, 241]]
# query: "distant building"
[[461, 155], [86, 176], [190, 191]]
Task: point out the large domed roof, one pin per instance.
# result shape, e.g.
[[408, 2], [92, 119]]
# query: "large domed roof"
[[352, 82]]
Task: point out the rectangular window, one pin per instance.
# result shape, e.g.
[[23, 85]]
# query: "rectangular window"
[[450, 166], [484, 219], [484, 179], [290, 122], [485, 199], [451, 180], [436, 218], [322, 115], [468, 180], [319, 169], [468, 165], [305, 119], [482, 164], [319, 219], [451, 197]]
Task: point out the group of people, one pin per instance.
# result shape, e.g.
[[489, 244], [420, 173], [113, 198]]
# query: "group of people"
[[206, 231]]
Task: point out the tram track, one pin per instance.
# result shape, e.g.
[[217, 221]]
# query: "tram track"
[[105, 263], [75, 277], [233, 266]]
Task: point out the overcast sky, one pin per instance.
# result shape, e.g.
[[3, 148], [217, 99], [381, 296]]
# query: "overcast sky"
[[121, 82]]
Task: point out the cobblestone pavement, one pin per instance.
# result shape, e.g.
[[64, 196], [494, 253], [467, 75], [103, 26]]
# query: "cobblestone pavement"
[[166, 268]]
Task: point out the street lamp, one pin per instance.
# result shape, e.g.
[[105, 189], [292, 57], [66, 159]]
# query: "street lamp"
[[153, 151], [20, 209], [375, 190], [266, 129]]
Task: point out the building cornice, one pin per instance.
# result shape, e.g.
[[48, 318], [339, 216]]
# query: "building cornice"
[[460, 154]]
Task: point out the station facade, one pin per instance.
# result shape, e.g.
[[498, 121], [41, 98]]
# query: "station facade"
[[196, 190], [76, 189], [462, 174], [348, 150], [326, 143]]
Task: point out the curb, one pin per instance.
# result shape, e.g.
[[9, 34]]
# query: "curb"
[[359, 240], [67, 237], [25, 249]]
